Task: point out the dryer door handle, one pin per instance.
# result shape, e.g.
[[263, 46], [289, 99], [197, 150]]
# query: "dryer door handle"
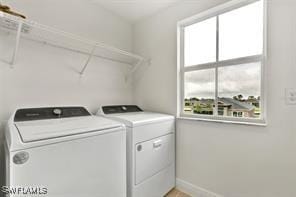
[[157, 144]]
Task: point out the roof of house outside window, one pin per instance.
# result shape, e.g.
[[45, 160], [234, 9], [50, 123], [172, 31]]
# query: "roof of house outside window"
[[235, 104]]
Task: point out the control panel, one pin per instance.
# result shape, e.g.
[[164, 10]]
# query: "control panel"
[[120, 109], [49, 113]]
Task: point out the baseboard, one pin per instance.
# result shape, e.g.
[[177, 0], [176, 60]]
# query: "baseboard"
[[193, 190]]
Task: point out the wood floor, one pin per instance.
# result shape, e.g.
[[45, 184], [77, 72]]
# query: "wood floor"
[[176, 193]]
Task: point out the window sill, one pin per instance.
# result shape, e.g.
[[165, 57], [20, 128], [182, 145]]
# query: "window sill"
[[214, 119]]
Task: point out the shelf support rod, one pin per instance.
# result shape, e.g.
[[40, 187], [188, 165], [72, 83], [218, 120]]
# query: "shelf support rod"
[[17, 42], [88, 60], [129, 75], [137, 66]]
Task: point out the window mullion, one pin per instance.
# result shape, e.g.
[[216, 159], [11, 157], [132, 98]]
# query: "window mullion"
[[182, 66], [216, 66]]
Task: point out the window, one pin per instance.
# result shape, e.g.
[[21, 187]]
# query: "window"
[[221, 61], [237, 114]]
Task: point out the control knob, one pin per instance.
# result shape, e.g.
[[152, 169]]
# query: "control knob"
[[57, 112]]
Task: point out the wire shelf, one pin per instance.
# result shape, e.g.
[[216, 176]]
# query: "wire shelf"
[[34, 31]]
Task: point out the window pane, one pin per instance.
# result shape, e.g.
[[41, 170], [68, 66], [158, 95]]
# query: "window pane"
[[200, 42], [239, 90], [241, 32], [199, 92]]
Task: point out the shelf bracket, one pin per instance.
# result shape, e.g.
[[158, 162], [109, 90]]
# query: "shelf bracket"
[[135, 68], [128, 76], [88, 60], [17, 42]]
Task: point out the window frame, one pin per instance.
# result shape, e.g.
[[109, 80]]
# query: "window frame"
[[181, 69]]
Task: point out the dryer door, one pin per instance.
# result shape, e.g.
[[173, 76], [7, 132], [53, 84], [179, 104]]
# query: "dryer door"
[[153, 156]]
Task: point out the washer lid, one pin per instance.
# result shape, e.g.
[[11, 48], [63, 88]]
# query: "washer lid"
[[37, 130], [140, 118]]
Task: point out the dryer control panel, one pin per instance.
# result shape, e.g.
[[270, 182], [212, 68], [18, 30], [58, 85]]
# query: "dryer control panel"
[[30, 114], [115, 109]]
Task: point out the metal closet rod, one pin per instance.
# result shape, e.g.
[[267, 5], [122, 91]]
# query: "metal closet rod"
[[44, 41], [80, 39], [75, 37]]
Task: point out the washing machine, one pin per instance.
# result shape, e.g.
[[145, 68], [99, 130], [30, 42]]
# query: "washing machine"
[[150, 149], [64, 152]]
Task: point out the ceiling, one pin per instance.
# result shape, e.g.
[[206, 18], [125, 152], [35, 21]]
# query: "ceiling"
[[135, 10]]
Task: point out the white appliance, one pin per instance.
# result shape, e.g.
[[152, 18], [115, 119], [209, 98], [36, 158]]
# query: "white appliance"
[[65, 152], [150, 149]]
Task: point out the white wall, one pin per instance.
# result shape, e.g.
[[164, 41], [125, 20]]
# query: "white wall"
[[45, 75], [231, 160], [81, 17]]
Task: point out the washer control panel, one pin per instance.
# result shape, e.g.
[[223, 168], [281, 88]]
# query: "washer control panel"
[[30, 114]]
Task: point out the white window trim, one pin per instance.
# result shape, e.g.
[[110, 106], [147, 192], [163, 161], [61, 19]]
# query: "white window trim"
[[231, 5]]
